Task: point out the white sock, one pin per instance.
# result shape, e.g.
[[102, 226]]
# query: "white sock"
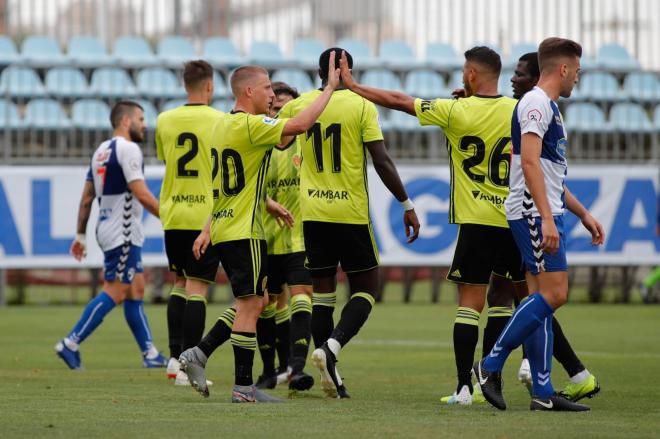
[[151, 353], [581, 376], [71, 344], [334, 346]]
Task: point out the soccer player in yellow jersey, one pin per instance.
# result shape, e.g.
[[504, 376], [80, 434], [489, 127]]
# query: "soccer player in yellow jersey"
[[334, 203], [478, 131], [183, 141], [244, 139], [286, 271]]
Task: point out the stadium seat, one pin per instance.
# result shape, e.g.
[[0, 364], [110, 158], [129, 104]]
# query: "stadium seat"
[[598, 86], [9, 116], [615, 58], [294, 77], [401, 121], [158, 83], [174, 51], [307, 51], [90, 115], [267, 54], [656, 117], [628, 117], [518, 50], [112, 82], [642, 86], [8, 53], [442, 56], [381, 78], [66, 82], [224, 105], [426, 84], [397, 54], [220, 86], [384, 118], [455, 80], [88, 52], [174, 103], [134, 52], [41, 51], [46, 114], [504, 83], [221, 53], [362, 57], [21, 82], [150, 113], [585, 117]]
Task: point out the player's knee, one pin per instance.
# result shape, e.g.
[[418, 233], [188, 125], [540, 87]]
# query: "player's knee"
[[196, 287]]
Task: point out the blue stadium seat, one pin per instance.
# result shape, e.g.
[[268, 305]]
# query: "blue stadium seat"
[[615, 58], [21, 82], [628, 117], [381, 78], [642, 86], [40, 51], [221, 53], [224, 105], [504, 83], [384, 118], [134, 52], [426, 84], [267, 54], [656, 117], [401, 121], [294, 77], [307, 51], [174, 51], [158, 83], [442, 56], [362, 57], [585, 117], [112, 82], [220, 86], [599, 86], [517, 50], [150, 113], [88, 52], [8, 53], [91, 115], [397, 54], [174, 103], [46, 114], [455, 80], [66, 82], [9, 116]]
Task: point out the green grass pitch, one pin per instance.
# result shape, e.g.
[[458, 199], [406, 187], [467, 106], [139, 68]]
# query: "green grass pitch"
[[396, 370]]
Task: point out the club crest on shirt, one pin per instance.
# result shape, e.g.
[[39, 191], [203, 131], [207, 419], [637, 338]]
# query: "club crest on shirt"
[[534, 115], [297, 160], [561, 147]]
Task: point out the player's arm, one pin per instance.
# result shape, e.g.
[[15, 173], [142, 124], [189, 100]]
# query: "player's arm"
[[385, 98], [79, 245], [140, 191], [387, 172], [589, 222], [306, 118], [530, 157]]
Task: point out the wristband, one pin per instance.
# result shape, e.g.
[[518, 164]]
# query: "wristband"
[[81, 238], [407, 205]]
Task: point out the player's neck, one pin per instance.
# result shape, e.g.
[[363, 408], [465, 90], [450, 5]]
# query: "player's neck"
[[119, 132], [244, 105], [486, 89], [341, 86], [197, 99], [550, 86]]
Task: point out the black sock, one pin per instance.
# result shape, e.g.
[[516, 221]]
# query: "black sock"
[[301, 320], [219, 333], [176, 307], [353, 316], [322, 320], [563, 351], [244, 344], [282, 329], [266, 338], [498, 317], [466, 336], [194, 320]]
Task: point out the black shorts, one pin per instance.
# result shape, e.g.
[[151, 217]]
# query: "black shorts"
[[287, 269], [178, 247], [482, 250], [328, 244], [246, 262]]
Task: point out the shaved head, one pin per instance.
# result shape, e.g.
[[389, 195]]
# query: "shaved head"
[[244, 77]]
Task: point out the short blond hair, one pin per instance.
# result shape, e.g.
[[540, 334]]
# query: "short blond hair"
[[242, 75]]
